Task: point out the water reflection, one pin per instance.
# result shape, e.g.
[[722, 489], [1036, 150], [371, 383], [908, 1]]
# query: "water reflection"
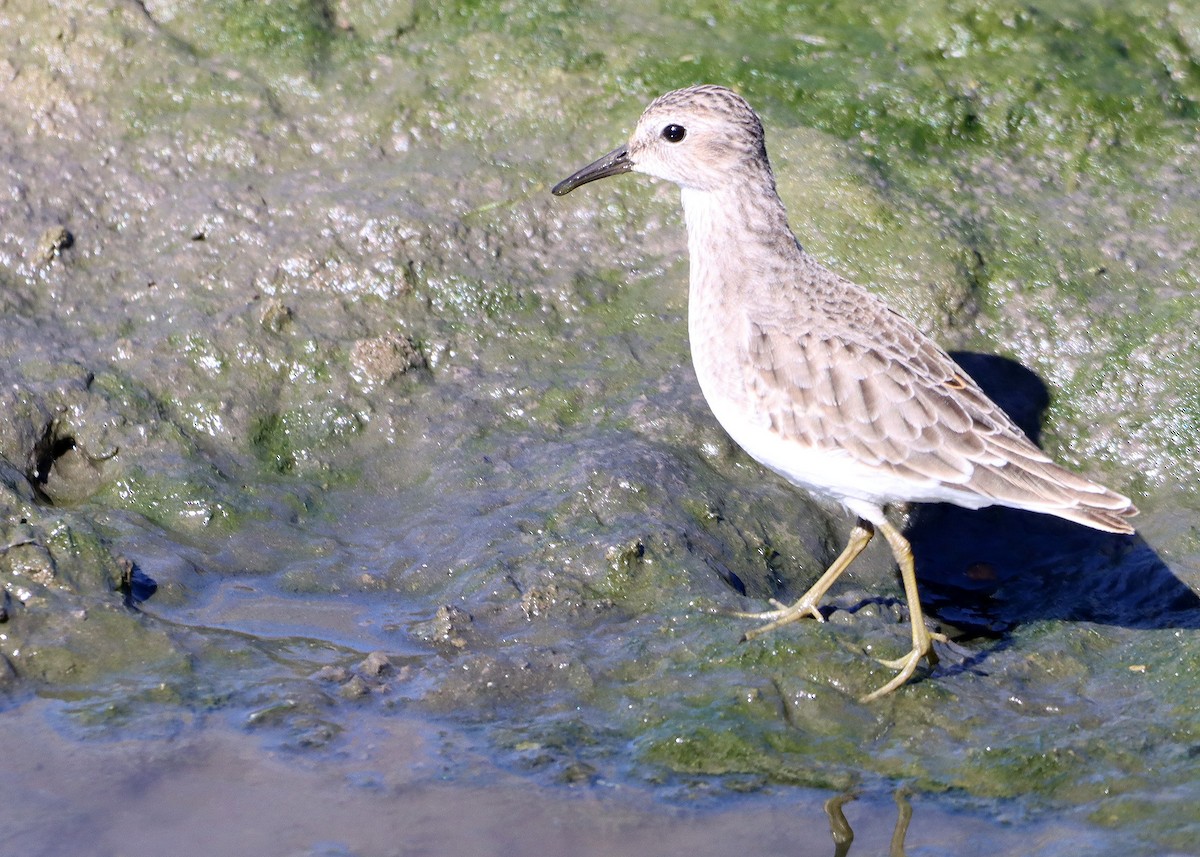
[[843, 834]]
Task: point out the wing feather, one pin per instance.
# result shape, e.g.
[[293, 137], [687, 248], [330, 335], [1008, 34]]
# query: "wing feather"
[[899, 403]]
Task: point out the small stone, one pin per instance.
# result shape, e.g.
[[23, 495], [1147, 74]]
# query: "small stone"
[[51, 244], [375, 664], [355, 688], [332, 673], [447, 627], [382, 359], [276, 316], [579, 774]]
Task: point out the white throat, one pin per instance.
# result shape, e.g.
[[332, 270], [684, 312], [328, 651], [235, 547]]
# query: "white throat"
[[702, 213]]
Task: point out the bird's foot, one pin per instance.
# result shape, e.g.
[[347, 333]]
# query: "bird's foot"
[[783, 614], [923, 640]]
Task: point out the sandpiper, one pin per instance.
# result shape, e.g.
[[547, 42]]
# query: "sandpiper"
[[818, 379]]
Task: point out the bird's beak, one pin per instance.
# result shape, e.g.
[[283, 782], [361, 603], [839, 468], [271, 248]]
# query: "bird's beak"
[[613, 164]]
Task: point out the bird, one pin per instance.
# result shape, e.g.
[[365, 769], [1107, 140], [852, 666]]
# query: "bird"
[[817, 378]]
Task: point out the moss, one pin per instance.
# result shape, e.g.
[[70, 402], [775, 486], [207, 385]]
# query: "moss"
[[560, 407], [464, 303], [927, 75], [94, 645], [184, 503], [741, 749], [297, 440], [1144, 813], [84, 560], [297, 33]]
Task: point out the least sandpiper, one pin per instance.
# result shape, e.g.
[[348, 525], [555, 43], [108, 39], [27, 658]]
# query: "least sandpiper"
[[817, 378]]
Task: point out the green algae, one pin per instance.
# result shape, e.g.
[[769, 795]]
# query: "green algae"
[[186, 504], [105, 641], [65, 623], [560, 407], [928, 75], [799, 732], [83, 561], [713, 752], [281, 34], [302, 30], [285, 441]]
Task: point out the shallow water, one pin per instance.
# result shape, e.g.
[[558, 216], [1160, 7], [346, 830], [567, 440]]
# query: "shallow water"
[[404, 786], [359, 498]]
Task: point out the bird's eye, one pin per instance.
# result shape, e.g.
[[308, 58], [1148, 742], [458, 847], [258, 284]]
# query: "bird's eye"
[[674, 133]]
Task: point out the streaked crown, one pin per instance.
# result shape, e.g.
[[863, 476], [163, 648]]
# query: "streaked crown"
[[701, 137]]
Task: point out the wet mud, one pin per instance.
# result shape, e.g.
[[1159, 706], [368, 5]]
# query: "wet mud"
[[334, 450]]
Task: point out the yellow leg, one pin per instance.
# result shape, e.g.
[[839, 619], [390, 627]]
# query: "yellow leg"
[[922, 639], [807, 605]]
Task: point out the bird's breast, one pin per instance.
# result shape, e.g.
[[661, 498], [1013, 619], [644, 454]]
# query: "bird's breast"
[[719, 335], [741, 255]]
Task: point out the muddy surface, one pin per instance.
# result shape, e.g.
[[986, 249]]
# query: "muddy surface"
[[335, 452]]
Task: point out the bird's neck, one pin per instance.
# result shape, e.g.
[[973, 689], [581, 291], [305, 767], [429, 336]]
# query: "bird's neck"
[[735, 233], [737, 237]]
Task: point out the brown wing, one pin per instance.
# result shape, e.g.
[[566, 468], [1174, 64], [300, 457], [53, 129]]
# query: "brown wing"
[[899, 403]]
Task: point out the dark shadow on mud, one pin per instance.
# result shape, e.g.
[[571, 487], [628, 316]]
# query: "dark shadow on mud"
[[987, 571]]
